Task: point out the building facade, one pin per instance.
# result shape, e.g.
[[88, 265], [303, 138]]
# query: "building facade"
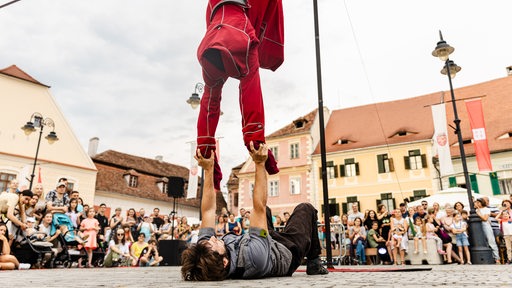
[[22, 96]]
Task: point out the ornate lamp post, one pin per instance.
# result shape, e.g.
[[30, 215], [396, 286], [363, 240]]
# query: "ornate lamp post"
[[480, 251], [194, 99], [38, 121]]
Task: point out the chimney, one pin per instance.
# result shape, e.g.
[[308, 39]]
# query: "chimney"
[[509, 70], [159, 158], [93, 146]]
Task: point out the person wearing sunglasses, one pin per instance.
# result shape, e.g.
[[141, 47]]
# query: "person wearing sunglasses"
[[118, 253]]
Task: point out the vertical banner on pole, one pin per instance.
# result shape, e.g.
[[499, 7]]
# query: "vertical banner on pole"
[[441, 144], [193, 173], [476, 120]]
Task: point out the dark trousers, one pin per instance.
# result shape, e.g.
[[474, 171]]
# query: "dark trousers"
[[300, 235]]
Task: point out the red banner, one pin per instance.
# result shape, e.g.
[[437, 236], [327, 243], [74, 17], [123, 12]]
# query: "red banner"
[[476, 120]]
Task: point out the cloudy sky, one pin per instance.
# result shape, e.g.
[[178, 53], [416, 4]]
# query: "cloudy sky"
[[122, 70]]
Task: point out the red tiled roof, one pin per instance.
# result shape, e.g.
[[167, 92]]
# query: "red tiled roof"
[[113, 165], [291, 129], [141, 164], [16, 72], [377, 124]]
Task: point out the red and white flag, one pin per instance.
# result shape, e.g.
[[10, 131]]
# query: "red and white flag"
[[193, 173], [476, 120], [441, 145]]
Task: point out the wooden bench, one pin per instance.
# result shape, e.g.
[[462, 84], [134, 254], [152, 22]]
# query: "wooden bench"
[[372, 257]]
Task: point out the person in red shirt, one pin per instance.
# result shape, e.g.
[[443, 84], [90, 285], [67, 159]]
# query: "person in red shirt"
[[241, 37]]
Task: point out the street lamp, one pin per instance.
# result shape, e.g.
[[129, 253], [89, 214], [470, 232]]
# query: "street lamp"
[[194, 102], [194, 99], [480, 251], [38, 121]]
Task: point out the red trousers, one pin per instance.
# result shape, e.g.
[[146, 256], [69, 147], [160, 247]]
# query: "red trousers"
[[230, 49]]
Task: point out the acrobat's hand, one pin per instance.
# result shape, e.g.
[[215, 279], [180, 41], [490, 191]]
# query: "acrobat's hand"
[[259, 156], [205, 163]]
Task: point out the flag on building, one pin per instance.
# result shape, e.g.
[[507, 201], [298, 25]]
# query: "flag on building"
[[441, 145], [476, 120], [193, 173]]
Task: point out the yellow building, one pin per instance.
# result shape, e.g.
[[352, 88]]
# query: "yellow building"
[[382, 153]]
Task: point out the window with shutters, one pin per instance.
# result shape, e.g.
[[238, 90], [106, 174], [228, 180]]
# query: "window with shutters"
[[388, 200], [331, 170], [505, 186], [351, 167], [385, 164], [415, 160]]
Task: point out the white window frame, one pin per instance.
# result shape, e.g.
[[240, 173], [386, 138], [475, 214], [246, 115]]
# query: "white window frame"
[[294, 150], [273, 188], [275, 151], [295, 185]]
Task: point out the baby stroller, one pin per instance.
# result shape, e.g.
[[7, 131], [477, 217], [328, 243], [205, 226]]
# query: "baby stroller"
[[36, 252], [73, 253]]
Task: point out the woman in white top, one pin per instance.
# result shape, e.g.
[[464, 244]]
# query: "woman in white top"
[[484, 212], [399, 236], [119, 251]]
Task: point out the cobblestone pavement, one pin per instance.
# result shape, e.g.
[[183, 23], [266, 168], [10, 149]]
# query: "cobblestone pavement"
[[443, 275]]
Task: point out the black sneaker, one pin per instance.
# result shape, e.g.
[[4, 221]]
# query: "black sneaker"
[[314, 267]]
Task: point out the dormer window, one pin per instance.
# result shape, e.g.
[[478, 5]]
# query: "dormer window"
[[505, 136], [343, 141], [300, 123], [132, 178], [402, 133], [162, 184]]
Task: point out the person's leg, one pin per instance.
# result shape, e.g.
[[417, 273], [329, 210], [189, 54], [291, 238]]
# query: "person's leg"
[[300, 236], [252, 110], [508, 244], [416, 245], [424, 242], [468, 255], [207, 122]]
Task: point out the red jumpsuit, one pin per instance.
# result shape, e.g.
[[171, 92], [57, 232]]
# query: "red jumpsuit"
[[241, 37]]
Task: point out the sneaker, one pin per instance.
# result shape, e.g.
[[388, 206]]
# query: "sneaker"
[[425, 252], [314, 267], [441, 252], [24, 266]]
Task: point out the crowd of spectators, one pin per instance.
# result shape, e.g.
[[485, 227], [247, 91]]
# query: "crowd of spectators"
[[448, 227], [127, 238], [130, 238]]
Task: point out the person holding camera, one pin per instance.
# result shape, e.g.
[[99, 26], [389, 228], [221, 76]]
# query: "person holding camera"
[[149, 255]]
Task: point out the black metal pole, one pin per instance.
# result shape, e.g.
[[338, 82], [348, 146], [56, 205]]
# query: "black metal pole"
[[35, 159], [173, 213], [328, 247], [480, 251]]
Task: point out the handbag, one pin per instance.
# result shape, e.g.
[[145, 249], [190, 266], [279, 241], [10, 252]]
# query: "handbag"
[[445, 237]]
